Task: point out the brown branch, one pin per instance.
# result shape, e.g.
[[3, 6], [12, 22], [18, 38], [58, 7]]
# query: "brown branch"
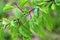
[[29, 1], [31, 10], [18, 22], [18, 6]]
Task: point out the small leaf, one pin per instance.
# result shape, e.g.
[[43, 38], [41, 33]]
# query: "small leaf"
[[8, 7], [17, 13], [41, 3], [5, 21], [36, 11], [57, 2], [53, 7], [22, 3], [1, 33]]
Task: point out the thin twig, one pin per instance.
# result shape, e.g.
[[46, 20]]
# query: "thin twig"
[[18, 22], [18, 6], [31, 10]]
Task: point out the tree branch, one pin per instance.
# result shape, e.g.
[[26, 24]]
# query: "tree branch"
[[18, 6]]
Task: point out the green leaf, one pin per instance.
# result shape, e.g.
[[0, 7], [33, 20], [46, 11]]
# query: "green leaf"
[[48, 22], [53, 7], [41, 3], [26, 38], [36, 11], [24, 30], [1, 33], [14, 30], [5, 21], [45, 10], [8, 7], [57, 2], [17, 13], [36, 24], [23, 33], [1, 25], [22, 3]]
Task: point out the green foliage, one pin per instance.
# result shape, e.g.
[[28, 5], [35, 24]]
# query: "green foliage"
[[42, 19], [8, 7], [1, 33], [2, 13]]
